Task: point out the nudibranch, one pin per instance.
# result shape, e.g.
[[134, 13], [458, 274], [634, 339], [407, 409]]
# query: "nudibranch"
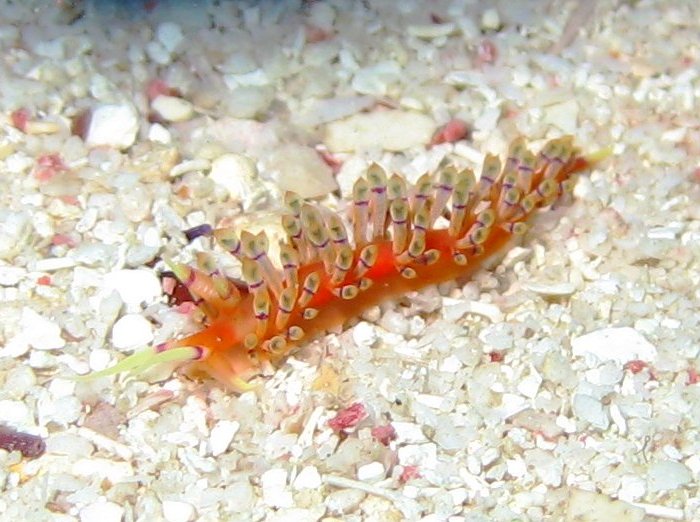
[[401, 238]]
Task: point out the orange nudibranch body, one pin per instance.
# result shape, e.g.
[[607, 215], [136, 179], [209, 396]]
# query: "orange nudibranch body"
[[403, 239], [396, 249]]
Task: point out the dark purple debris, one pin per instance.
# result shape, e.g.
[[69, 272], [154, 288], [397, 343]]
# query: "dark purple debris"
[[28, 445], [195, 232]]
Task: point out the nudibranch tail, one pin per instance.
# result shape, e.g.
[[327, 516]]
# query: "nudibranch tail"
[[400, 238]]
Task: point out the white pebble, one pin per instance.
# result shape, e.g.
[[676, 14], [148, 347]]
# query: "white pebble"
[[308, 478], [376, 79], [244, 494], [668, 233], [591, 410], [41, 360], [553, 289], [296, 514], [408, 432], [321, 15], [392, 321], [563, 115], [170, 35], [436, 402], [370, 472], [607, 374], [614, 344], [239, 61], [18, 382], [69, 444], [450, 364], [454, 309], [530, 384], [157, 52], [131, 331], [61, 388], [327, 110], [103, 468], [546, 466], [175, 511], [389, 130], [352, 169], [87, 221], [39, 332], [159, 134], [487, 120], [588, 506], [667, 475], [248, 101], [102, 512], [459, 496], [53, 49], [112, 126], [237, 174], [172, 108], [422, 455], [274, 488], [190, 166], [63, 410], [618, 419], [221, 436], [364, 334], [516, 467], [537, 421], [490, 20], [344, 501], [11, 275], [256, 78], [693, 463], [430, 31], [511, 404], [15, 413], [15, 164], [632, 487], [15, 346], [135, 287], [93, 254], [301, 169]]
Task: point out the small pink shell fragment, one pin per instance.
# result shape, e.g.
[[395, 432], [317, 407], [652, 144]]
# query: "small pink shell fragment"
[[384, 434], [186, 308], [81, 123], [453, 131], [63, 239], [315, 34], [348, 417], [48, 165], [329, 159], [696, 175], [409, 473], [19, 118], [157, 87], [486, 52], [636, 366]]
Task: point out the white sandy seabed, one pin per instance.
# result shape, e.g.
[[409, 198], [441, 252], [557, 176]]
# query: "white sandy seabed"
[[560, 385]]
